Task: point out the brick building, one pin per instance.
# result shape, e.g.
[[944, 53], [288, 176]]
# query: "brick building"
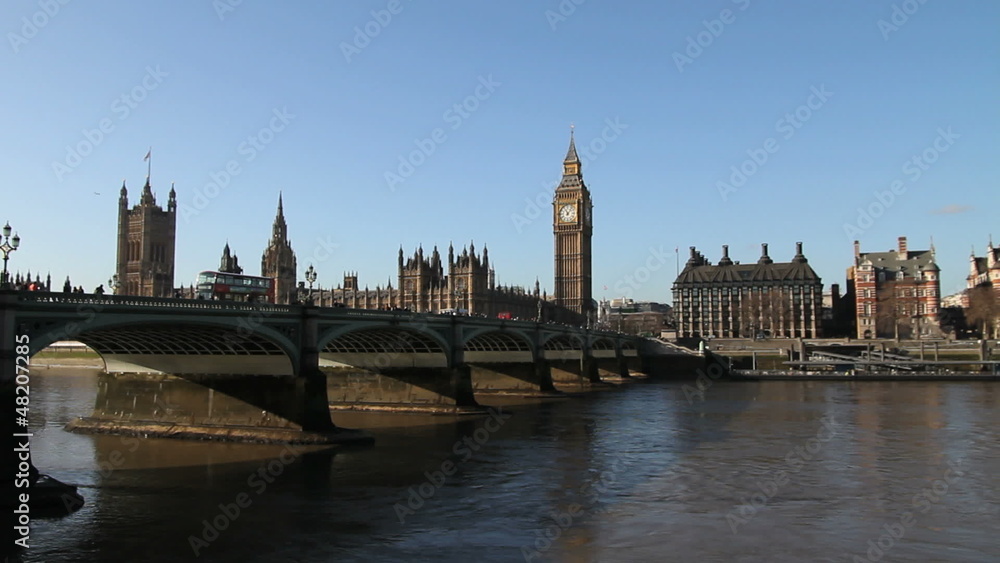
[[982, 309], [733, 300], [895, 293]]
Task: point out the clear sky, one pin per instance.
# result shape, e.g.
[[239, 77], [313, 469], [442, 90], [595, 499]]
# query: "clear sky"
[[325, 100]]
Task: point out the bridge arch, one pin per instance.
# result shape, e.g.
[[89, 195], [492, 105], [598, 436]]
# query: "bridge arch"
[[498, 345], [379, 346], [603, 343], [563, 346], [183, 346], [563, 341]]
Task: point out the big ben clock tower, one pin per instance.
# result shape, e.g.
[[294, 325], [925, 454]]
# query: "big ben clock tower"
[[572, 212]]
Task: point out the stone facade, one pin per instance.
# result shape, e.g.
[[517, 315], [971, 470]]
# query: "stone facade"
[[278, 261], [469, 287], [146, 235], [230, 263], [733, 300], [572, 227], [895, 293]]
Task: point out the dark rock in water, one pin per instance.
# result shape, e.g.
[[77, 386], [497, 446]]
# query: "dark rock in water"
[[51, 498]]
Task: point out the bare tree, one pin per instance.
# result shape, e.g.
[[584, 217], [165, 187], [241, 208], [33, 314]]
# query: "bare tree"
[[891, 318], [984, 310], [769, 311]]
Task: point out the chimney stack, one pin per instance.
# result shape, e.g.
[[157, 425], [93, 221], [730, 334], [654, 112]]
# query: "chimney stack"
[[764, 258], [902, 248], [725, 256]]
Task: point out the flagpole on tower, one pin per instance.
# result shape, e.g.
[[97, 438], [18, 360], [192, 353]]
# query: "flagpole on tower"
[[149, 162]]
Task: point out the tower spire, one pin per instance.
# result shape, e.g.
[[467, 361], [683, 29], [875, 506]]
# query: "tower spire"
[[279, 232], [571, 156]]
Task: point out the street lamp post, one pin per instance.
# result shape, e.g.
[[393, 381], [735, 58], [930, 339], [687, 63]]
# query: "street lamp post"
[[113, 284], [310, 278], [7, 246]]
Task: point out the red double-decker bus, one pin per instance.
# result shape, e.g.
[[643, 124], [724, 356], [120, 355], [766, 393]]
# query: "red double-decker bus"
[[221, 286]]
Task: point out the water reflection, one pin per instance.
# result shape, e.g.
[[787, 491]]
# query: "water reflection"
[[640, 473]]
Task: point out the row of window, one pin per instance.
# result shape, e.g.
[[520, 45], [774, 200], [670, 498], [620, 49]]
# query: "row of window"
[[921, 310], [746, 290], [871, 293]]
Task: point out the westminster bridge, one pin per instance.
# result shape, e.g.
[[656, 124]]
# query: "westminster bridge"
[[228, 370]]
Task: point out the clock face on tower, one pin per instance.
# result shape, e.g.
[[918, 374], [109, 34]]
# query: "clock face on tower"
[[567, 213]]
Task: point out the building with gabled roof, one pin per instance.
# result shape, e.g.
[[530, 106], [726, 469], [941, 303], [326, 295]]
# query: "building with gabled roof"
[[733, 300], [895, 293]]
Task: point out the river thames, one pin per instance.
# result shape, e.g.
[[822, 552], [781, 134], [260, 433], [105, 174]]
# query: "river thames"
[[651, 471]]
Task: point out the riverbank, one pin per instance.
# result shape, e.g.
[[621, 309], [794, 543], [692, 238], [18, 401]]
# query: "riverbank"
[[789, 375], [73, 365]]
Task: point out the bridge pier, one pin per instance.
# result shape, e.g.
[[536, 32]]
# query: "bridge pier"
[[513, 378], [249, 408], [634, 365], [615, 369], [576, 375], [436, 389]]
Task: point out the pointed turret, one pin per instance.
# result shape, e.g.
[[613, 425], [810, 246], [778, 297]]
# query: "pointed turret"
[[279, 231], [172, 199], [147, 194]]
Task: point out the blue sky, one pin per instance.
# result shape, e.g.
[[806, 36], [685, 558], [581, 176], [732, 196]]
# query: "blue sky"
[[324, 100]]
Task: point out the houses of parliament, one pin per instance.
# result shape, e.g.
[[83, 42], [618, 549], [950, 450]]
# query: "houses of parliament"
[[465, 284]]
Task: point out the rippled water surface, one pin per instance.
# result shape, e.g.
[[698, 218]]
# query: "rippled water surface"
[[769, 471]]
